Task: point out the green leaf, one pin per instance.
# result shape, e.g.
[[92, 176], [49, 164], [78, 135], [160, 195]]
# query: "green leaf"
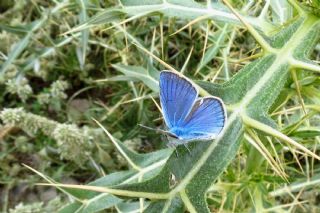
[[281, 11], [17, 49], [15, 29], [139, 73], [84, 34], [189, 9], [212, 51], [308, 133], [174, 205], [104, 17], [131, 207], [100, 202], [73, 207], [149, 164], [47, 51]]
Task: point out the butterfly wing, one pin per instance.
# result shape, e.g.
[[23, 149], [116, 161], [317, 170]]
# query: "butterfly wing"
[[205, 120], [177, 96]]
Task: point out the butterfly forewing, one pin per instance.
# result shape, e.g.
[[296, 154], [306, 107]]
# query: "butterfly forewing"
[[205, 120], [177, 96]]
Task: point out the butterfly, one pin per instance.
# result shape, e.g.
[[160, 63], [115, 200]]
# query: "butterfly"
[[187, 116]]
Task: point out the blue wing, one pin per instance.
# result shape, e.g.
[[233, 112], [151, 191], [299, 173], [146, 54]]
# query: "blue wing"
[[177, 96], [205, 120]]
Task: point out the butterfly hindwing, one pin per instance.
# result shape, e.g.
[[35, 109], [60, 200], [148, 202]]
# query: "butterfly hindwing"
[[205, 120]]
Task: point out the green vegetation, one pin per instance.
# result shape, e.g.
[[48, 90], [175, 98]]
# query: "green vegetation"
[[77, 77]]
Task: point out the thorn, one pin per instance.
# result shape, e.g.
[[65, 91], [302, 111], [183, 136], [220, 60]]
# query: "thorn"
[[297, 7], [156, 58], [263, 43]]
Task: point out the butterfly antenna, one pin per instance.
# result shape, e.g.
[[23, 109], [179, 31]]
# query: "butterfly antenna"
[[155, 129], [147, 127]]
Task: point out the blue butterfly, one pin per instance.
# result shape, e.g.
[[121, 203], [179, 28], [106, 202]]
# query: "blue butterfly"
[[188, 117]]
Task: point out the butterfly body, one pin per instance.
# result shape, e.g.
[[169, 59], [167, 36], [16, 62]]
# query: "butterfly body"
[[188, 117]]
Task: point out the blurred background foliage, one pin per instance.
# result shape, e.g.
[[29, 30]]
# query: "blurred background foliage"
[[52, 84]]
